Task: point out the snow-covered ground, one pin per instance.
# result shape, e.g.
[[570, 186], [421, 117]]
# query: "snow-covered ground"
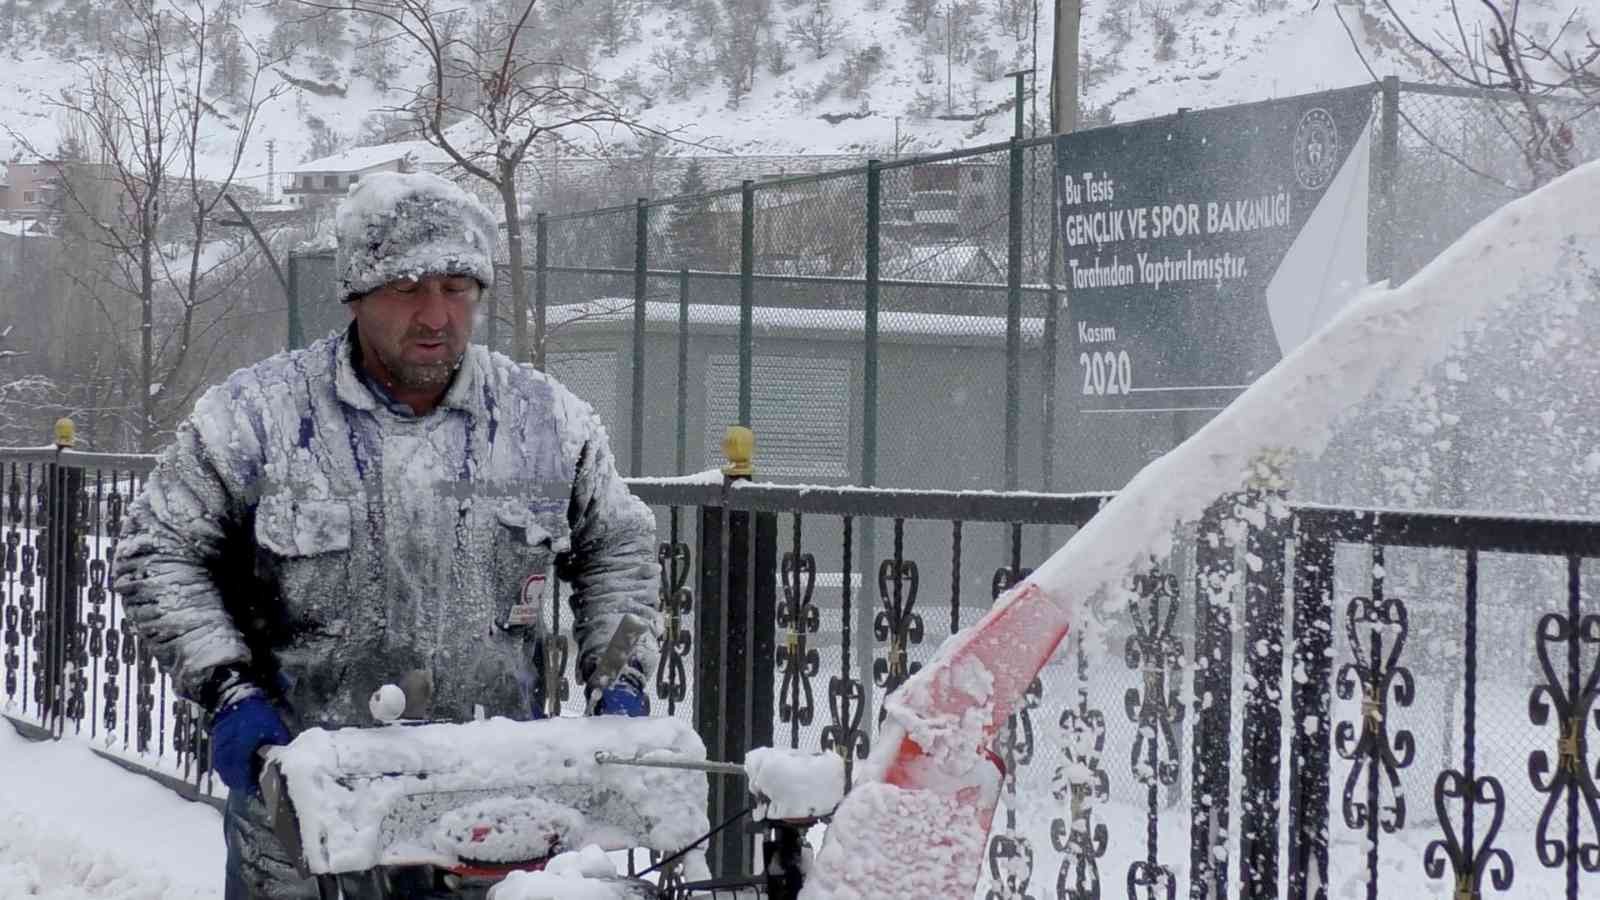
[[76, 827]]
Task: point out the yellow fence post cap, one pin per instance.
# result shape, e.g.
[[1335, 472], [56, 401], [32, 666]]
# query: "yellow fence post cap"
[[66, 433], [739, 447]]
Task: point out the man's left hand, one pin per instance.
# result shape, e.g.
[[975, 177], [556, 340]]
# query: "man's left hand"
[[621, 699]]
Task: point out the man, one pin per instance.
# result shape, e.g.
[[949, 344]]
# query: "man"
[[390, 505]]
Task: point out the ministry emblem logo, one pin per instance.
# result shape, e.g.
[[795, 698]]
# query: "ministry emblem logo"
[[1316, 149]]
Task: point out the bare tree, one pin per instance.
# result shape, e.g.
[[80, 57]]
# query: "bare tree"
[[738, 46], [678, 67], [141, 197], [519, 99], [1550, 82], [615, 23], [1014, 18], [817, 29], [21, 399]]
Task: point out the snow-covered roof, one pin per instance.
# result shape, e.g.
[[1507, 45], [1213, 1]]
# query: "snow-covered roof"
[[942, 260], [21, 228], [362, 158], [841, 321]]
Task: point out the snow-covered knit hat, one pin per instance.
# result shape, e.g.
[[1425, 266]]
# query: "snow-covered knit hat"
[[398, 225]]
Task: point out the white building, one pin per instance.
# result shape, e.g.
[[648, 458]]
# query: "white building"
[[322, 181]]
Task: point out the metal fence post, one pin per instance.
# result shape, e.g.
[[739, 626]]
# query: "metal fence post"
[[1310, 699], [1014, 315], [1382, 257], [869, 370], [1047, 355], [747, 293], [741, 624], [681, 457], [1213, 690], [295, 336], [711, 682], [641, 250], [58, 632], [1047, 358], [868, 529], [541, 288], [1261, 761], [739, 662], [762, 610]]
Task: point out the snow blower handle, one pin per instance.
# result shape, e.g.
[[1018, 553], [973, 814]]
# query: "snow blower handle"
[[659, 762], [285, 823], [280, 809]]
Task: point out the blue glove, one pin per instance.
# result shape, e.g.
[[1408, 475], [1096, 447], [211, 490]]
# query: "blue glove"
[[622, 699], [237, 732]]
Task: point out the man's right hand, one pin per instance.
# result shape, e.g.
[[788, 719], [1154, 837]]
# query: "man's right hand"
[[237, 732]]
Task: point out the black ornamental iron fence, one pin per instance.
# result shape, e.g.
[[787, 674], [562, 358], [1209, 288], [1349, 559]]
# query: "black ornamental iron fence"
[[74, 665], [1300, 701]]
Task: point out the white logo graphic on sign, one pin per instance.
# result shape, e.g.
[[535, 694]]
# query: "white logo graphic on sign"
[[1316, 149]]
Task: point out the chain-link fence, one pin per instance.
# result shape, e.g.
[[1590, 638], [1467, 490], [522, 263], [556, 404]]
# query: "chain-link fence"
[[1444, 158], [822, 311], [1460, 154], [896, 323]]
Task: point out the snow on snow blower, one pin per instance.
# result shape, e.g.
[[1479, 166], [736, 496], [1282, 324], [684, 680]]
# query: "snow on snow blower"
[[450, 809]]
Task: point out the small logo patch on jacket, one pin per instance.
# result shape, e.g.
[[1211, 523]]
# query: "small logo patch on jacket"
[[526, 610]]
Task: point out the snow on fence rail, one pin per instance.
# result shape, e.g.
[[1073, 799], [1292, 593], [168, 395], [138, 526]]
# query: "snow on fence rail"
[[1430, 677]]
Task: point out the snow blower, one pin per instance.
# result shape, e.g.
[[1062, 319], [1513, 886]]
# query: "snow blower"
[[418, 809]]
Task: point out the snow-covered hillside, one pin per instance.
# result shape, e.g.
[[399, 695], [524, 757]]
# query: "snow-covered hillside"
[[877, 78]]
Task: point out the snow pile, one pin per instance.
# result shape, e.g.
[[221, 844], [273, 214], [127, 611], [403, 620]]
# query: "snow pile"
[[578, 875], [74, 827], [508, 829], [794, 784], [1380, 344], [713, 477], [489, 790]]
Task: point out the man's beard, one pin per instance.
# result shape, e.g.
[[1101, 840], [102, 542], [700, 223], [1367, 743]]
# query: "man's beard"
[[418, 376]]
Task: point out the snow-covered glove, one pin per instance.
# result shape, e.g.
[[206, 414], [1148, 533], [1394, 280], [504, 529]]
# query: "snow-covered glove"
[[621, 699], [237, 732]]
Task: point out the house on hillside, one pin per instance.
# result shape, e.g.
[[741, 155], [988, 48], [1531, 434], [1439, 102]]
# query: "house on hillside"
[[944, 201], [323, 181], [16, 236], [34, 190], [28, 189]]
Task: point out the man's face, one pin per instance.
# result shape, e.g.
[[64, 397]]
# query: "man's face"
[[417, 330]]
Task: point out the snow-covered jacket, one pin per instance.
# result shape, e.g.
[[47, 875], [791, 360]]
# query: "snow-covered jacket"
[[303, 533]]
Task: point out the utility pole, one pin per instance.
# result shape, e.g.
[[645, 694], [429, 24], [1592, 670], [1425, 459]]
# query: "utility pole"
[[272, 170], [949, 57], [1021, 90], [1069, 19]]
